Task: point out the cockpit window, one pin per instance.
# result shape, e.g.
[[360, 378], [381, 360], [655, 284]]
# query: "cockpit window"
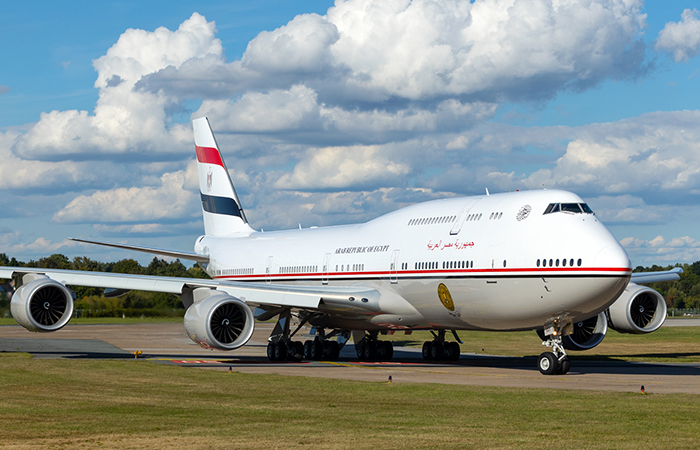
[[575, 208], [571, 207]]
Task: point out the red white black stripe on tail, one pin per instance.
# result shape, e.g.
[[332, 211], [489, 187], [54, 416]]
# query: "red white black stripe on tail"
[[223, 215]]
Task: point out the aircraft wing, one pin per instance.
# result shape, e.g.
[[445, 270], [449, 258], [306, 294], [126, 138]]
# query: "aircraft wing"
[[357, 299], [655, 277]]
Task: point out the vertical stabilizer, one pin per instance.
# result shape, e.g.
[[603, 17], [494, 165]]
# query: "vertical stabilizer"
[[221, 208]]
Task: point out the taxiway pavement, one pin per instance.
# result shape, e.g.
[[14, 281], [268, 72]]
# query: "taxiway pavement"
[[166, 343]]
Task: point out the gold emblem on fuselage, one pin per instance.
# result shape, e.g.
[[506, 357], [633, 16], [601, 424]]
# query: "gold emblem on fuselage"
[[445, 297]]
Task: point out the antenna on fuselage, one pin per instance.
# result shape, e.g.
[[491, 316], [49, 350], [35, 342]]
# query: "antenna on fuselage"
[[487, 191]]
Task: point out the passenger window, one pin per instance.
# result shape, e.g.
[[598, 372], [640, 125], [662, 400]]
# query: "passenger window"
[[571, 262], [538, 263], [579, 263]]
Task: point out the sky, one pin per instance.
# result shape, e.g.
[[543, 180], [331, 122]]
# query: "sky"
[[330, 113]]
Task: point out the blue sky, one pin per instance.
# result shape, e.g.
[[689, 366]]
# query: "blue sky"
[[337, 116]]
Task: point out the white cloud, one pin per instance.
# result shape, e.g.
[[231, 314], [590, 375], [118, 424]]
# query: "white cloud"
[[660, 249], [343, 167], [379, 51], [20, 174], [12, 245], [125, 120], [651, 153], [629, 209], [169, 201], [681, 38], [4, 89]]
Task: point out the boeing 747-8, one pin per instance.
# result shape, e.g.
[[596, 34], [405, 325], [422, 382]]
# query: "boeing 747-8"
[[536, 260]]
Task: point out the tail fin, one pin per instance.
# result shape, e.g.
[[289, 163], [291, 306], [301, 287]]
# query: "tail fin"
[[222, 210]]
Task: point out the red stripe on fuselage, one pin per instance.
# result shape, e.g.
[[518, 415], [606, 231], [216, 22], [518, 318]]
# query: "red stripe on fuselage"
[[621, 271], [209, 155]]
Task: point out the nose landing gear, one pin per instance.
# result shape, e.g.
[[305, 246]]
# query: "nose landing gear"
[[555, 362]]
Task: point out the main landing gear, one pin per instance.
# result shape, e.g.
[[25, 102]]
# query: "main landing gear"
[[370, 348], [439, 350], [555, 362], [280, 346]]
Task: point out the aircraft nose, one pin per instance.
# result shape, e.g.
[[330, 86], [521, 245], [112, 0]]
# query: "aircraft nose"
[[613, 255]]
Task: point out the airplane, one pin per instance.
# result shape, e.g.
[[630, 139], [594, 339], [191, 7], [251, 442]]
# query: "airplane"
[[527, 260]]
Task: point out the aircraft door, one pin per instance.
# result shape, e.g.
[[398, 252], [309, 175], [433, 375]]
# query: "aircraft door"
[[394, 262], [268, 270], [326, 260], [462, 217]]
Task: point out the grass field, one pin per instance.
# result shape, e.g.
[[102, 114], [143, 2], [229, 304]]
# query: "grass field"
[[106, 320], [139, 404]]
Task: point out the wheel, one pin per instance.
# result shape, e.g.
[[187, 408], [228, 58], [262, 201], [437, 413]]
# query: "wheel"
[[547, 363], [564, 366], [316, 350], [456, 350], [360, 348], [307, 350], [437, 351], [335, 350], [298, 350], [369, 352], [280, 351], [388, 350], [426, 350], [381, 351], [271, 351]]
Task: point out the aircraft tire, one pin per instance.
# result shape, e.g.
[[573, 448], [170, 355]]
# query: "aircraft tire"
[[564, 366], [271, 351], [280, 351], [369, 352], [307, 350], [426, 350], [316, 350], [547, 363], [437, 351], [456, 350], [388, 350], [334, 350]]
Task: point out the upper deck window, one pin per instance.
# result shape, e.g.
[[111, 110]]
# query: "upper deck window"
[[575, 208]]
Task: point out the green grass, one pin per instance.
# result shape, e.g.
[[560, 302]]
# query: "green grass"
[[107, 320], [140, 404]]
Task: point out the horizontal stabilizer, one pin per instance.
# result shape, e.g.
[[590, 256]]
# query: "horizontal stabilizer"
[[154, 251]]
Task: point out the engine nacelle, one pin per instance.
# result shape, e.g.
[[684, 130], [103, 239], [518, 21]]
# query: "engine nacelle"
[[587, 333], [218, 320], [41, 304], [639, 309]]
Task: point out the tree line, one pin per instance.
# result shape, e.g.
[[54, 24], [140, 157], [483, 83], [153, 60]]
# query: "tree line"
[[89, 301], [683, 293]]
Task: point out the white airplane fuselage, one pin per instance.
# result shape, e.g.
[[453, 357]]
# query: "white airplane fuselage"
[[506, 264]]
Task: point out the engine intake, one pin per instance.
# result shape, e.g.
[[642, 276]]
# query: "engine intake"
[[219, 321], [42, 304], [587, 333], [639, 310]]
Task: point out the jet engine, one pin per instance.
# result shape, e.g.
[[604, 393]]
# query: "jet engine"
[[587, 333], [42, 304], [639, 309], [219, 321]]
